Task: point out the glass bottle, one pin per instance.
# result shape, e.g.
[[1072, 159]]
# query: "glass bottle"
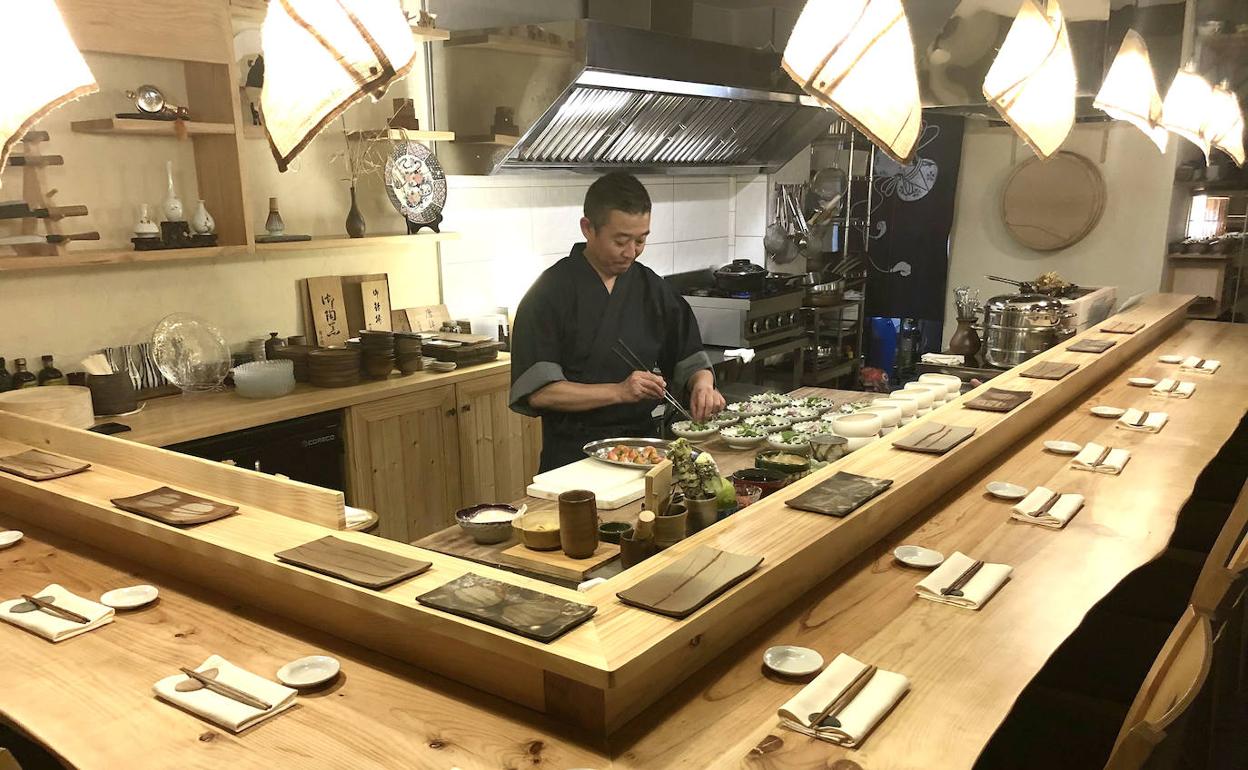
[[908, 342], [6, 379], [49, 374], [21, 377]]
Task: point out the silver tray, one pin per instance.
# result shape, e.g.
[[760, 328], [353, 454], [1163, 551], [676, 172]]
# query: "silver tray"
[[592, 448]]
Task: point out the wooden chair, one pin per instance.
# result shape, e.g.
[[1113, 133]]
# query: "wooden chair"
[[7, 762], [1227, 561], [1172, 686]]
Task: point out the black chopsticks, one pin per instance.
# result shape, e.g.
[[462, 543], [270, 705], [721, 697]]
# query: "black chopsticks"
[[631, 360], [828, 717], [955, 588]]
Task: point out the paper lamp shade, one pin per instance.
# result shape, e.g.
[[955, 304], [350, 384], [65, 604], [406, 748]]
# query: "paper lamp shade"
[[321, 57], [1225, 124], [37, 35], [1032, 81], [1187, 107], [857, 57], [1130, 90]]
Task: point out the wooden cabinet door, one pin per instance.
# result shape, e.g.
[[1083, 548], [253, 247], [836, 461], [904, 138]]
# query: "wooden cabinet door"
[[496, 460], [404, 462]]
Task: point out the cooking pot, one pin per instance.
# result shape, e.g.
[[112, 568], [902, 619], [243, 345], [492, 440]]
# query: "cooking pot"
[[1019, 326], [742, 275]]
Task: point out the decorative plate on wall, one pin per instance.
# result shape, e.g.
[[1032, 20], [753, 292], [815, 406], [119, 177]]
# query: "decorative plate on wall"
[[416, 185], [1054, 204]]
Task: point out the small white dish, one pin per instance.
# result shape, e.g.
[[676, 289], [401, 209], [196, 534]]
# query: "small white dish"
[[1142, 382], [443, 366], [1063, 447], [1006, 490], [1108, 411], [130, 598], [312, 671], [10, 537], [790, 660], [918, 556], [1170, 358]]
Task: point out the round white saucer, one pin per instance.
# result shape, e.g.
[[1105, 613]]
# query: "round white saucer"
[[1062, 447], [1006, 490], [1142, 382], [312, 671], [1170, 359], [130, 598], [10, 537], [1108, 411], [918, 556], [790, 660]]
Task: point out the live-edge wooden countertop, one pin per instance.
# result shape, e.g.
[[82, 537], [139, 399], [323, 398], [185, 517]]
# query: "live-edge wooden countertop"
[[174, 419]]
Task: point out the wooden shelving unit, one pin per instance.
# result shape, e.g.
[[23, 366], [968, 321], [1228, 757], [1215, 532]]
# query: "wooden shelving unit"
[[502, 140], [401, 134], [340, 242], [139, 127], [506, 43], [94, 257], [431, 34]]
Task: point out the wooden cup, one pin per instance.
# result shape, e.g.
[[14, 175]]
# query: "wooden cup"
[[702, 513], [578, 523], [669, 529], [634, 551]]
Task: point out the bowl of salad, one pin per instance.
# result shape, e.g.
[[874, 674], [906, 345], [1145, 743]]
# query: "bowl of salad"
[[767, 422], [790, 441], [811, 427], [796, 413], [743, 436], [750, 408], [818, 403], [724, 419], [694, 431], [772, 400]]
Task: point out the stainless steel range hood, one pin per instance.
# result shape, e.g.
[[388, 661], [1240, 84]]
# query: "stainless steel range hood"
[[603, 97]]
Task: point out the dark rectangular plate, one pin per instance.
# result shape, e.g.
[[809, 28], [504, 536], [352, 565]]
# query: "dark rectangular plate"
[[1121, 327], [171, 506], [41, 466], [688, 583], [839, 495], [1092, 346], [935, 438], [353, 562], [512, 608], [1050, 370], [998, 400]]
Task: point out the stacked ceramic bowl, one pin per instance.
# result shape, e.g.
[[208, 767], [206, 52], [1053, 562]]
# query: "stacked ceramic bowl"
[[297, 355], [407, 352], [939, 393], [908, 408], [922, 399], [952, 384], [861, 428], [890, 416], [264, 379], [377, 348], [334, 367]]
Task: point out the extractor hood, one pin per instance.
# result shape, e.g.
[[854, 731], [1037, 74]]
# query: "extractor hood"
[[601, 97]]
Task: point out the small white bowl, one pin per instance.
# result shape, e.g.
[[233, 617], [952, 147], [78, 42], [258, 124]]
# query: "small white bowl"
[[795, 413], [772, 400], [682, 429], [1170, 358], [1108, 411], [768, 422], [908, 406], [810, 427], [1006, 490], [890, 416], [735, 441], [1063, 447], [858, 425], [1142, 382], [9, 538], [938, 391], [953, 385], [749, 408], [922, 399], [312, 671], [442, 366], [856, 443], [776, 441], [130, 598], [790, 660], [918, 556]]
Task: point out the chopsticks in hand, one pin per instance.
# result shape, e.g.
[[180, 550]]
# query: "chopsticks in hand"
[[52, 609], [233, 693], [631, 360]]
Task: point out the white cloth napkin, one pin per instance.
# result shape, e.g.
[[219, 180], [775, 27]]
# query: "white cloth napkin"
[[1113, 463], [51, 627], [745, 354], [858, 718], [1208, 367], [975, 593], [1170, 388], [942, 359], [1063, 510], [1155, 422], [219, 709]]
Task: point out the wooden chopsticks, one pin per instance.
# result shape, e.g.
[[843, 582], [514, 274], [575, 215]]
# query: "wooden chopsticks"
[[52, 609], [233, 693], [1048, 506], [1100, 459], [955, 588], [827, 717], [1143, 419]]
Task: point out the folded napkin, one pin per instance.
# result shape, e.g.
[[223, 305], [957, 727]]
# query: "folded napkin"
[[942, 359], [745, 354], [1112, 462], [1061, 508], [219, 709], [1199, 365], [977, 591], [858, 718], [1169, 388], [1138, 419], [52, 627]]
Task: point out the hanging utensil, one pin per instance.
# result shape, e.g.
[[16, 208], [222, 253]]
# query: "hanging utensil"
[[776, 237]]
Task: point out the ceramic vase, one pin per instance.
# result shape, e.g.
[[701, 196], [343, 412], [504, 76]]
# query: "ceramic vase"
[[173, 204], [202, 222], [965, 342], [274, 224], [634, 551], [145, 227], [578, 523], [355, 220]]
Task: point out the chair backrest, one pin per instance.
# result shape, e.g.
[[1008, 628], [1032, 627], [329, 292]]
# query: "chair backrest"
[[1175, 679], [1227, 561], [7, 762]]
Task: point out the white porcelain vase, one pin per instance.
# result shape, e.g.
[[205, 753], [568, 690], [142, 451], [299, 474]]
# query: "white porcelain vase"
[[145, 227], [173, 204], [202, 222]]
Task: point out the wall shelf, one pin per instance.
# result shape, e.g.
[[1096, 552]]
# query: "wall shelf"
[[401, 134], [503, 140], [508, 44], [431, 34], [340, 242], [140, 127]]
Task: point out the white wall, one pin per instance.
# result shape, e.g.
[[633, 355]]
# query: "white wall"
[[1127, 248]]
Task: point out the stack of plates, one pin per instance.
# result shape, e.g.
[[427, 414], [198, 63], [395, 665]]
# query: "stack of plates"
[[378, 349], [334, 367], [298, 354], [407, 352]]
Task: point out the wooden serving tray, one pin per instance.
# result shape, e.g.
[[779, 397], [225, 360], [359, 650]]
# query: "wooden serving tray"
[[679, 589], [557, 564], [41, 466], [171, 506], [353, 562], [998, 400], [1092, 346], [1050, 370], [937, 439], [512, 608]]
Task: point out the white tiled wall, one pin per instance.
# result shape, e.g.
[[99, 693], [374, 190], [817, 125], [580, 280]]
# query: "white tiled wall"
[[512, 227]]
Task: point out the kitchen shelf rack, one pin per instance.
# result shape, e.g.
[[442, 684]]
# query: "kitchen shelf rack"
[[506, 43], [140, 127], [339, 242]]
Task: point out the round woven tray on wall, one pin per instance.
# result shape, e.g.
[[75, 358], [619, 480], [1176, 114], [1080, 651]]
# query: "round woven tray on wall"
[[1053, 204]]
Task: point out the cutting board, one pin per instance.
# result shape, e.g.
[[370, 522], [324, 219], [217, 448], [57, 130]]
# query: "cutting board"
[[613, 485], [686, 584], [658, 487], [557, 564], [353, 562]]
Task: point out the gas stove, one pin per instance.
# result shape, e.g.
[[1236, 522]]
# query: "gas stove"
[[741, 319]]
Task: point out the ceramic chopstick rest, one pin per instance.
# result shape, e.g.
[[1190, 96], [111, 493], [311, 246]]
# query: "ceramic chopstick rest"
[[1142, 420], [844, 703], [52, 627], [1100, 459], [1200, 365], [1170, 388], [223, 710], [1047, 508], [978, 583]]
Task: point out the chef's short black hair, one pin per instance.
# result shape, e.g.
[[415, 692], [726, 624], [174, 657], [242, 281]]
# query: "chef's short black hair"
[[616, 191]]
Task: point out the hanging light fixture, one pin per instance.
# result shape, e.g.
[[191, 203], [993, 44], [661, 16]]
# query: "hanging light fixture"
[[857, 57], [1187, 107], [1225, 125], [26, 96], [1130, 90], [321, 57], [1032, 81]]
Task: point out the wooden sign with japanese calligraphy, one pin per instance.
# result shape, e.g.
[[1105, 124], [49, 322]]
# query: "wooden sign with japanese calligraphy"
[[329, 311], [428, 318], [376, 296]]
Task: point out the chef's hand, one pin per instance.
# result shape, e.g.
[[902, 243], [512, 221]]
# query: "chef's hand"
[[642, 386], [704, 401]]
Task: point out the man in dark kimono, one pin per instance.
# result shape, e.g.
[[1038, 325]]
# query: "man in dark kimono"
[[564, 367]]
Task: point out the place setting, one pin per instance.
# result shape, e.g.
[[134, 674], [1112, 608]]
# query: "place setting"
[[1172, 388], [964, 582], [1101, 459], [845, 703], [1198, 365], [225, 694], [1142, 420], [55, 613], [1046, 508]]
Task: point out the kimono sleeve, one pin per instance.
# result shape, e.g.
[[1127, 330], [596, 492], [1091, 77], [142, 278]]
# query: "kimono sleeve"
[[535, 349], [686, 341]]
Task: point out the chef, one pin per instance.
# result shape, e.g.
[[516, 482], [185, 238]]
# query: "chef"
[[577, 318]]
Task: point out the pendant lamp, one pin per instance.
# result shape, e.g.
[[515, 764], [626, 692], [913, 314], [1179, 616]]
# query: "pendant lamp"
[[1032, 81], [321, 57], [1225, 125], [39, 36], [1187, 107], [1130, 90], [857, 57]]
